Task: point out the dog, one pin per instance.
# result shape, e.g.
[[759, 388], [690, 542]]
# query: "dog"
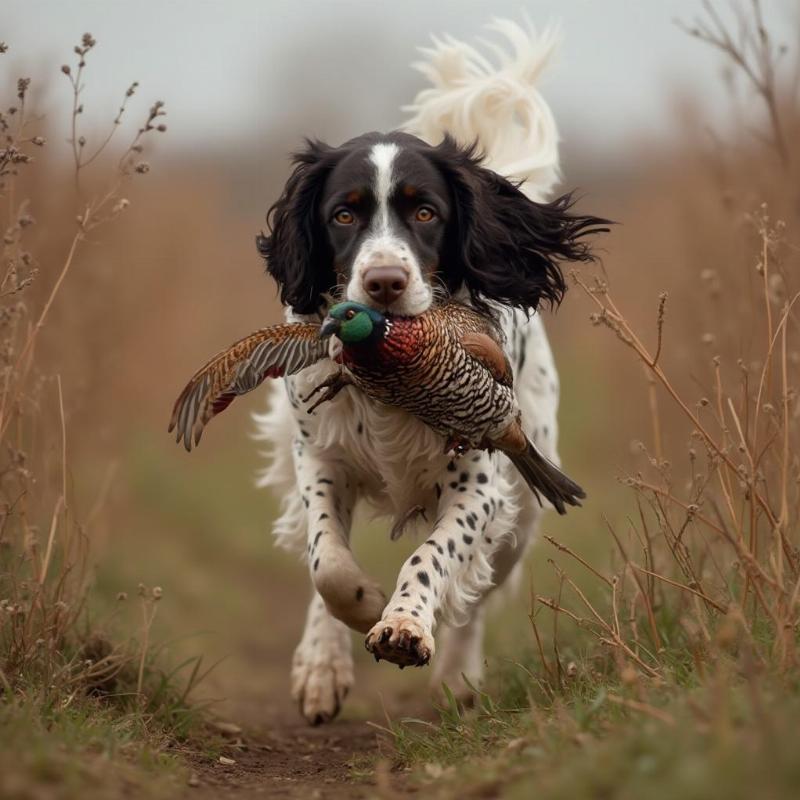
[[401, 221]]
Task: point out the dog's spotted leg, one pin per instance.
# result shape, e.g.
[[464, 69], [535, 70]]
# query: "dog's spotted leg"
[[328, 495], [448, 571], [322, 668]]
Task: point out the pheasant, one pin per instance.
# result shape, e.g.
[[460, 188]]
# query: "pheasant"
[[444, 367], [447, 368]]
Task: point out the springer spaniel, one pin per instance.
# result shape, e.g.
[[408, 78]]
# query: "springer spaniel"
[[396, 222]]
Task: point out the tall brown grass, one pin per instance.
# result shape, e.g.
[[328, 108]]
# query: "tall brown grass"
[[707, 567], [51, 653]]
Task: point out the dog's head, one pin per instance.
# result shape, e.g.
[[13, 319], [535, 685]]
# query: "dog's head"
[[392, 222]]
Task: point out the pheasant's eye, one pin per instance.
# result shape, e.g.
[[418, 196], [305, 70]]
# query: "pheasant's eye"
[[344, 217], [350, 313], [425, 214]]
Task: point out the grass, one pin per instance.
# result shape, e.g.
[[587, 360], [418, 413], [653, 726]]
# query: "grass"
[[84, 707], [86, 748], [606, 737]]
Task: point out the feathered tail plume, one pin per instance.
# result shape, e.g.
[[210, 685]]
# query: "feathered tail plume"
[[496, 104], [544, 477]]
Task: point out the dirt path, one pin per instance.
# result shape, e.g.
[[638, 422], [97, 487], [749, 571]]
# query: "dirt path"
[[290, 759], [277, 753]]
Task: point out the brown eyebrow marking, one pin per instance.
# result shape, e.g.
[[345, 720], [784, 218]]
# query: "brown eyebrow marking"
[[354, 197], [409, 190]]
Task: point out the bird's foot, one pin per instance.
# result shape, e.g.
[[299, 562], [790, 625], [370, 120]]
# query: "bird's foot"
[[456, 446], [399, 527], [401, 639], [332, 385]]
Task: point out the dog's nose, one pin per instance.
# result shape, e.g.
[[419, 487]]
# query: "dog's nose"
[[385, 284]]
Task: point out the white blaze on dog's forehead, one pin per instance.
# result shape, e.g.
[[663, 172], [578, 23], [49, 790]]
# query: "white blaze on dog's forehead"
[[383, 156]]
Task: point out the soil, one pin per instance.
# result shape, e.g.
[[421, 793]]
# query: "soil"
[[276, 753], [290, 759]]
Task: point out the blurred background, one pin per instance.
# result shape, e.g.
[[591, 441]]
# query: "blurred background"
[[657, 135]]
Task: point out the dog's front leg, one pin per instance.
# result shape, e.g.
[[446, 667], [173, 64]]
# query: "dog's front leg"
[[328, 493], [441, 574]]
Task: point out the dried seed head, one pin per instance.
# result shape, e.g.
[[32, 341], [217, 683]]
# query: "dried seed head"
[[572, 670], [142, 590], [122, 597], [157, 593], [39, 141], [142, 168]]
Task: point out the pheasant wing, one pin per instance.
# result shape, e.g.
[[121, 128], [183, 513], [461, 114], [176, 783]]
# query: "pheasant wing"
[[269, 353], [488, 352]]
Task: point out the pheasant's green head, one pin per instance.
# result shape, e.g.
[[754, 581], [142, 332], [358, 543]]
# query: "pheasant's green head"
[[353, 323]]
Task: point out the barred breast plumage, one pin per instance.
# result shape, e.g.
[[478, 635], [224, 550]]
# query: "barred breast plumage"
[[422, 366]]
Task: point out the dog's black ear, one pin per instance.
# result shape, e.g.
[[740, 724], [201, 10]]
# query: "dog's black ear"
[[502, 245], [296, 247]]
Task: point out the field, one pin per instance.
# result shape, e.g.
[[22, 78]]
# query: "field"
[[147, 621]]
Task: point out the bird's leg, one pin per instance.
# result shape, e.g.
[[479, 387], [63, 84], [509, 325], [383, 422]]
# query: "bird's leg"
[[332, 385], [399, 527], [456, 445]]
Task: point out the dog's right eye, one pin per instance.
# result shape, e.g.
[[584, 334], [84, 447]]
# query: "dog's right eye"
[[344, 217]]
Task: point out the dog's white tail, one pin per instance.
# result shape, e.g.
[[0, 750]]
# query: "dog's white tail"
[[496, 104]]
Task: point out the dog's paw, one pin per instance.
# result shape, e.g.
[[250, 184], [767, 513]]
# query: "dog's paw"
[[401, 639], [320, 681]]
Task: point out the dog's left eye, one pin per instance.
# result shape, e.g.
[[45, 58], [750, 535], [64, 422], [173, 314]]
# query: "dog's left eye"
[[344, 217], [425, 214]]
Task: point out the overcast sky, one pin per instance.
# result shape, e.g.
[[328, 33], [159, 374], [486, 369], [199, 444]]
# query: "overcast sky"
[[334, 68]]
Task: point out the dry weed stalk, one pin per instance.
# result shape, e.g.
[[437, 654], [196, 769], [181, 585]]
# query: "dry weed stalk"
[[726, 540], [43, 648], [755, 55], [710, 565]]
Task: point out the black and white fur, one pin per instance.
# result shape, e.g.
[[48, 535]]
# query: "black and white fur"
[[488, 242]]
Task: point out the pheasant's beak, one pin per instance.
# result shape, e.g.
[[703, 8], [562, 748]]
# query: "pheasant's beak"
[[330, 325]]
